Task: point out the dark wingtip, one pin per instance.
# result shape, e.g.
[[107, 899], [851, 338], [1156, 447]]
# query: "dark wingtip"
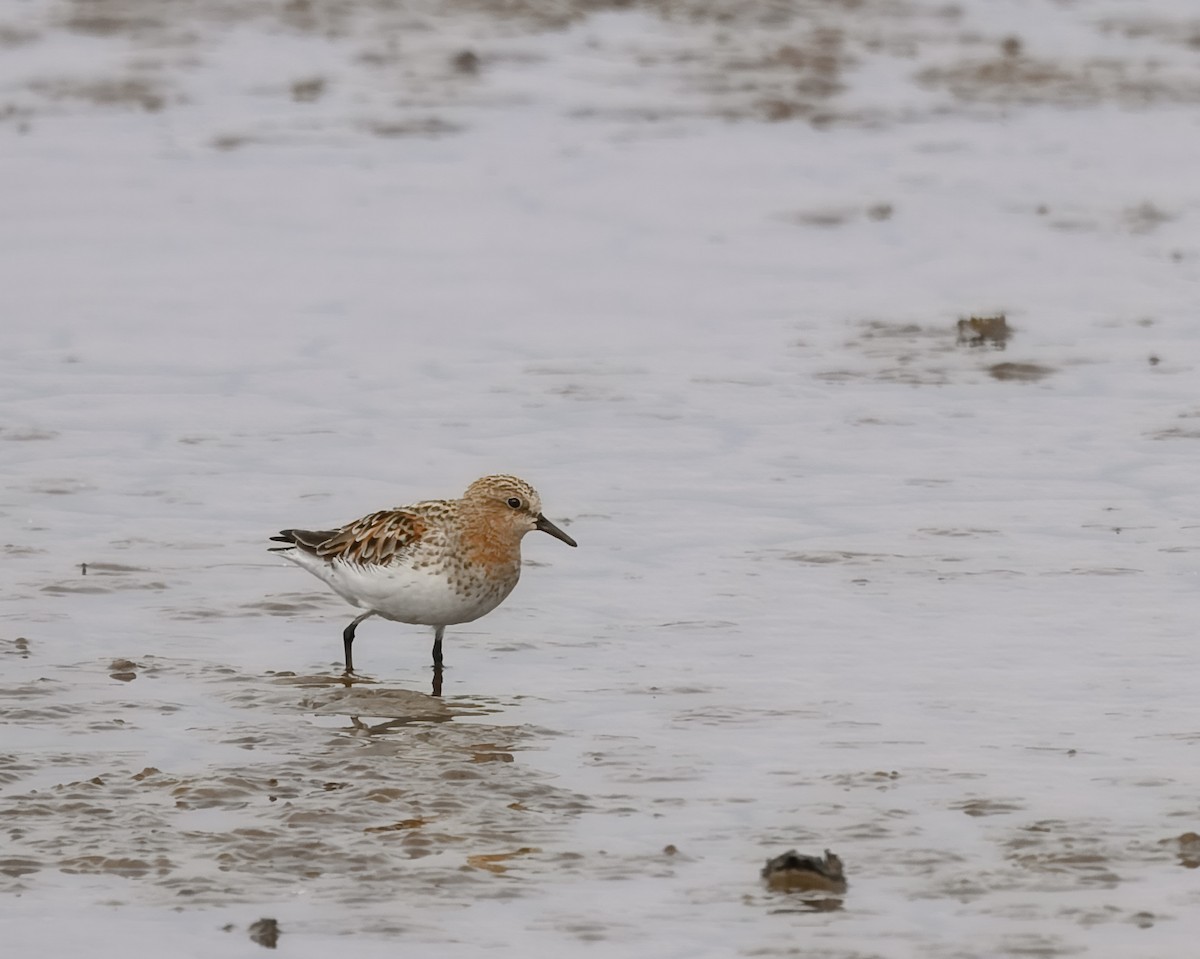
[[306, 539]]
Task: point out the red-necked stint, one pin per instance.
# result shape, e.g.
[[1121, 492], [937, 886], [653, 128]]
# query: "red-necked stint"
[[435, 563]]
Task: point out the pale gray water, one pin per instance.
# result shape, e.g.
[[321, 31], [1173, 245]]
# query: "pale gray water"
[[844, 581]]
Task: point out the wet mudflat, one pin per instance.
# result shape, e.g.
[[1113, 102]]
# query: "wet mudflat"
[[860, 569]]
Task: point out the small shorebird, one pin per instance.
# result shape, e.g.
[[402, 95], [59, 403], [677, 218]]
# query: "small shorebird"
[[434, 563]]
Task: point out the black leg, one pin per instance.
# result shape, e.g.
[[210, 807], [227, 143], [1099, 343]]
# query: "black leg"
[[437, 646], [347, 642], [348, 638]]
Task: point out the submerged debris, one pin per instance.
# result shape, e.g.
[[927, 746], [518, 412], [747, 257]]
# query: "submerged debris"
[[793, 872]]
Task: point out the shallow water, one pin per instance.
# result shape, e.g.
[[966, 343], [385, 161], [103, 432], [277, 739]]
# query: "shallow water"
[[845, 581]]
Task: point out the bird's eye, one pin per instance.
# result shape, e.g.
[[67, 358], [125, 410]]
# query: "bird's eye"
[[514, 502]]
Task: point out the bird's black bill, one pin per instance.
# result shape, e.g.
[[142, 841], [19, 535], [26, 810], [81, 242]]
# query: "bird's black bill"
[[547, 527]]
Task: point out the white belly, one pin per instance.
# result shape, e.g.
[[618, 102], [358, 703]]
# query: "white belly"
[[407, 595]]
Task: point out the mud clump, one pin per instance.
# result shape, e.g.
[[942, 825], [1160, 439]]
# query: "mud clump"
[[1145, 217], [466, 62], [112, 92], [793, 872], [265, 932], [991, 331], [1187, 848], [308, 90], [1020, 372], [20, 647]]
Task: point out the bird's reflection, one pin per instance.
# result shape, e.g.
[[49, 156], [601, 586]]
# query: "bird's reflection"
[[350, 680], [359, 728], [824, 904]]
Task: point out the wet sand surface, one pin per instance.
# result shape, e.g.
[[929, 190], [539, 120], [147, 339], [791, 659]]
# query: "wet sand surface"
[[856, 345]]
